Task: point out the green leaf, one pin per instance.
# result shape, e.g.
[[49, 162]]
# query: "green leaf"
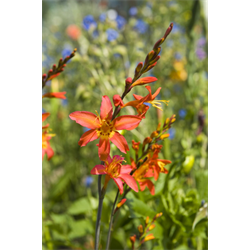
[[80, 228], [202, 214], [138, 208], [79, 207]]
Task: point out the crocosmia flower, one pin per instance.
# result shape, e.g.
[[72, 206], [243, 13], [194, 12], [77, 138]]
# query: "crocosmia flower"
[[113, 169], [103, 127]]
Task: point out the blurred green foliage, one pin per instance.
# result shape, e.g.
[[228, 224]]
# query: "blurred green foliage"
[[100, 67]]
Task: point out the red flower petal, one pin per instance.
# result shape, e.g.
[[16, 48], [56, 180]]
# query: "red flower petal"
[[127, 122], [126, 169], [44, 116], [106, 108], [55, 95], [98, 169], [137, 97], [87, 137], [149, 184], [156, 93], [104, 149], [49, 152], [119, 183], [120, 142], [144, 80], [86, 119], [130, 181]]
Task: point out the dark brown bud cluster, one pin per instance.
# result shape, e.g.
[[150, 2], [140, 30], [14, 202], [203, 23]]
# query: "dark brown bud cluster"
[[152, 57]]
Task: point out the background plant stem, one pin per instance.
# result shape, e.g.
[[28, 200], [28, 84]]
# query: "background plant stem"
[[111, 220]]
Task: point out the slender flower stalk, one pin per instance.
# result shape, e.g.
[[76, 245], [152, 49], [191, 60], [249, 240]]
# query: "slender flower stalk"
[[111, 220]]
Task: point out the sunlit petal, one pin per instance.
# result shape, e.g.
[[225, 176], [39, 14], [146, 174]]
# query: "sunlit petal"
[[127, 122], [120, 142], [98, 169], [85, 118], [87, 137], [130, 181], [106, 108]]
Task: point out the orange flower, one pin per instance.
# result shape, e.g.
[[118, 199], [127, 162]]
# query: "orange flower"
[[116, 171], [144, 80], [155, 164], [55, 95], [46, 149], [140, 100], [140, 176], [73, 31], [104, 128]]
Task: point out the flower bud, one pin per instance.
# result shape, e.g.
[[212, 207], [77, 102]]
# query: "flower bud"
[[140, 229], [128, 81]]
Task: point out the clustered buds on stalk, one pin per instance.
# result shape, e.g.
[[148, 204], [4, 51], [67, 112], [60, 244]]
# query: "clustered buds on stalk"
[[52, 73], [56, 70], [142, 235]]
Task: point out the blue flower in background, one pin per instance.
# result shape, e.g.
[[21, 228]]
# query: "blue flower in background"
[[133, 11], [43, 110], [178, 28], [171, 3], [95, 34], [177, 88], [88, 181], [141, 26], [102, 17], [200, 53], [121, 21], [127, 64], [112, 34], [171, 132], [67, 51], [201, 42], [88, 22], [178, 56], [64, 102], [182, 113]]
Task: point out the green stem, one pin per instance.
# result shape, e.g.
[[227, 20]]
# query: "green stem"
[[111, 220], [99, 213], [46, 232]]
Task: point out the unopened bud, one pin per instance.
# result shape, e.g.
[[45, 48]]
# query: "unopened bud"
[[158, 43], [138, 68], [162, 137], [133, 238], [44, 76], [128, 81], [149, 56], [154, 134], [151, 227], [147, 220], [169, 29], [155, 60], [121, 203], [140, 229], [147, 140], [148, 237]]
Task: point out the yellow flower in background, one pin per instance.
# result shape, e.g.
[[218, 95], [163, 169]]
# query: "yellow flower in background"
[[179, 73]]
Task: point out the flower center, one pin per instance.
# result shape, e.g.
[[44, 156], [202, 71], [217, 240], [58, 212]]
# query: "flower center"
[[114, 168], [106, 129]]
